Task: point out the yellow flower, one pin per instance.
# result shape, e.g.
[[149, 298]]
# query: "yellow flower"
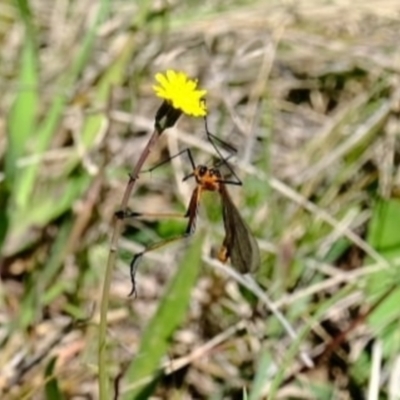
[[180, 91]]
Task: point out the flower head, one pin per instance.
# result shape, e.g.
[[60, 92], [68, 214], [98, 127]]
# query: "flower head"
[[180, 91]]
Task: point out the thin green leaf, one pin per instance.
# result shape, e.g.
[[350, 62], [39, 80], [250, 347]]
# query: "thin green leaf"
[[384, 232], [169, 316], [21, 119], [43, 209], [113, 76], [52, 391], [294, 348], [4, 221], [262, 374], [45, 131]]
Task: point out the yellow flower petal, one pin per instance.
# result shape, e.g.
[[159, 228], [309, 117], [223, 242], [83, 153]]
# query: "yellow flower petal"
[[176, 88]]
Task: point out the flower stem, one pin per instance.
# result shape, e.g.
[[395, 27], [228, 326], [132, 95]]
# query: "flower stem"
[[112, 256]]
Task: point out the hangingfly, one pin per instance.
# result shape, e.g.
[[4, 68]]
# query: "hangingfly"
[[239, 244]]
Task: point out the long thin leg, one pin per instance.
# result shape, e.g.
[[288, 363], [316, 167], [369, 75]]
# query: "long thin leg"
[[238, 182], [223, 160], [136, 258], [229, 182], [133, 214], [212, 138], [191, 213], [187, 151], [121, 214]]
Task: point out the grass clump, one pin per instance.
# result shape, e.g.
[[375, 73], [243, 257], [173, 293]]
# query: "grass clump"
[[309, 95]]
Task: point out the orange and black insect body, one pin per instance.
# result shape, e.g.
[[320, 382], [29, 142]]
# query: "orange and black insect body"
[[239, 244]]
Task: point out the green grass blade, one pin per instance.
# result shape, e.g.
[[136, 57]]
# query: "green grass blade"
[[52, 389], [21, 119], [48, 127], [383, 232], [113, 76], [4, 221], [384, 236], [169, 316], [261, 377], [294, 348], [44, 209]]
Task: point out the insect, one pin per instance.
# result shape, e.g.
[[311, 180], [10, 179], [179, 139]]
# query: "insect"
[[239, 244]]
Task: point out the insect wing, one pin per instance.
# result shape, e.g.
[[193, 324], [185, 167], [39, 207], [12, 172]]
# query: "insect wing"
[[240, 244]]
